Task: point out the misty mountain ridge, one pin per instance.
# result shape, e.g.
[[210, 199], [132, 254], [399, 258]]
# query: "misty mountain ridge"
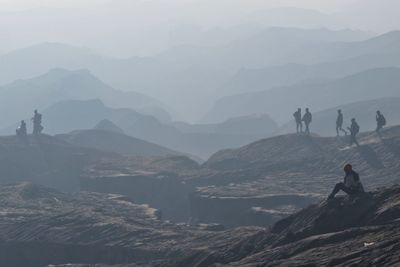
[[198, 140], [366, 85], [177, 70], [107, 125], [60, 84], [116, 142], [252, 80]]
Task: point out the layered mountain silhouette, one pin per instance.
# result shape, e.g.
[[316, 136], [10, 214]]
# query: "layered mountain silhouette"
[[196, 72], [116, 142], [198, 140], [367, 85], [253, 80], [107, 125], [19, 98]]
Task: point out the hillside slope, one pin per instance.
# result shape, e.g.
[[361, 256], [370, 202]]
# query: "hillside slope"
[[115, 142]]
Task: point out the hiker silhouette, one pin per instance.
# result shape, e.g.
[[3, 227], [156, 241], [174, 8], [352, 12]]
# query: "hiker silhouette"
[[307, 118], [339, 123], [299, 123], [354, 130], [37, 122], [380, 121]]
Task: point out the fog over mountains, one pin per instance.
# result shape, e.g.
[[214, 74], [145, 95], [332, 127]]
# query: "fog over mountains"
[[166, 137]]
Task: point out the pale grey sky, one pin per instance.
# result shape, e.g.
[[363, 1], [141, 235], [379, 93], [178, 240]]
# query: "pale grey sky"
[[143, 27]]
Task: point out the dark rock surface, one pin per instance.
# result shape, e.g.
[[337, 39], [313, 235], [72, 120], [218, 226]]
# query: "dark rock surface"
[[43, 227], [257, 184]]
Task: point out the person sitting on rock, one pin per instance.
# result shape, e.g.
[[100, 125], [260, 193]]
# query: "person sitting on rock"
[[351, 184], [21, 130]]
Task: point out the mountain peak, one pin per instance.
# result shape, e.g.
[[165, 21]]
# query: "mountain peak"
[[108, 125]]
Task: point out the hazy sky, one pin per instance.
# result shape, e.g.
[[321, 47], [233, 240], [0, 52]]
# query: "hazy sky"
[[325, 5], [143, 27]]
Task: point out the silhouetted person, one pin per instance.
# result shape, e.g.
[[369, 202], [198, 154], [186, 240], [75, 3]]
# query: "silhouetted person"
[[351, 184], [22, 131], [339, 123], [307, 118], [354, 130], [299, 123], [380, 121], [37, 123]]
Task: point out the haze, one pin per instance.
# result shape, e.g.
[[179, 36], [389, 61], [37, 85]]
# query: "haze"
[[183, 133], [133, 28]]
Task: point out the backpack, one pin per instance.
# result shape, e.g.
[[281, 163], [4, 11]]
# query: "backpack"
[[356, 128], [383, 120]]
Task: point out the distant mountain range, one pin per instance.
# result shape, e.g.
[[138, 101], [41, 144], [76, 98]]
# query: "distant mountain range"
[[281, 102], [21, 97], [198, 140], [195, 73]]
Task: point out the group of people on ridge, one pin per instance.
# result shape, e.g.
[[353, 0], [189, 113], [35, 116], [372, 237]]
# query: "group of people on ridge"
[[307, 119], [354, 128], [22, 130]]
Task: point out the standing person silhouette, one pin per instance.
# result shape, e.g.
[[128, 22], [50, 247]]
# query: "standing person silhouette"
[[37, 123], [299, 123], [380, 122], [354, 130], [307, 118], [339, 123]]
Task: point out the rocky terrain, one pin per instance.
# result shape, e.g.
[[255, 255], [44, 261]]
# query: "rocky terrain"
[[43, 227], [257, 184], [261, 204]]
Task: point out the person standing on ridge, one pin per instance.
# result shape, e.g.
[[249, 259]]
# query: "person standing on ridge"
[[339, 123], [307, 118], [354, 130], [37, 122], [380, 122], [297, 118], [351, 184]]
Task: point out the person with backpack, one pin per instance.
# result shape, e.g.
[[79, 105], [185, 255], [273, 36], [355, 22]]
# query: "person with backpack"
[[37, 123], [339, 123], [351, 184], [297, 118], [354, 130], [380, 121], [307, 118]]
